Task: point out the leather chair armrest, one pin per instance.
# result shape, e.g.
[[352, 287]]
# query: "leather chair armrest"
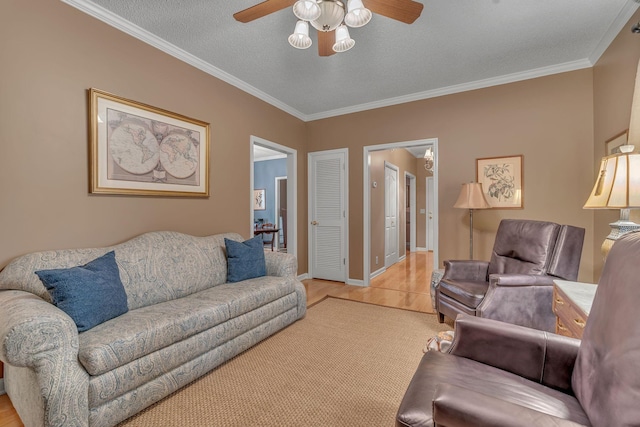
[[466, 270], [530, 353], [455, 406], [521, 280]]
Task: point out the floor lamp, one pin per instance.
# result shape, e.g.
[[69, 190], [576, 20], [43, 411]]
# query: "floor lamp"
[[471, 197]]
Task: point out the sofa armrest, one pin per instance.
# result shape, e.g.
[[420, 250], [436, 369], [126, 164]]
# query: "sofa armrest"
[[521, 280], [455, 406], [35, 334], [530, 353], [281, 264], [465, 270]]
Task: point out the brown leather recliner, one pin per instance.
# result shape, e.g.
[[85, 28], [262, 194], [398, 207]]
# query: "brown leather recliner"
[[517, 285], [499, 374]]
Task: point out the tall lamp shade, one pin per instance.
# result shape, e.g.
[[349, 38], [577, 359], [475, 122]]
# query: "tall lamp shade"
[[617, 187], [471, 197], [618, 182]]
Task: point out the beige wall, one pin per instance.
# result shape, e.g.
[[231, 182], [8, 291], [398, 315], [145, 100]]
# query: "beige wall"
[[613, 81], [553, 121], [51, 54], [549, 120]]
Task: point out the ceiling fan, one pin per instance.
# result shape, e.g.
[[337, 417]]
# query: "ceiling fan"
[[329, 18]]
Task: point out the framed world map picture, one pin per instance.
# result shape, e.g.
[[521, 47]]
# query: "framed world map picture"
[[136, 149]]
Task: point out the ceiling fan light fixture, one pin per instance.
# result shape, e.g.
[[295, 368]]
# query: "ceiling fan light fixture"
[[332, 15], [300, 38], [344, 42], [358, 15], [307, 10]]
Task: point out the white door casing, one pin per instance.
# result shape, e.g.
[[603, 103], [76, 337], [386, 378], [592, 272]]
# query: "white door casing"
[[430, 213], [327, 215], [391, 235]]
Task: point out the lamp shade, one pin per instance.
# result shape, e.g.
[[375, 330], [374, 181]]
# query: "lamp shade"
[[344, 41], [307, 10], [358, 15], [618, 183], [472, 197], [300, 38]]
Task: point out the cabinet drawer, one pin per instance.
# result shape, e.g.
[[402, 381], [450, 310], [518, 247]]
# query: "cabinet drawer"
[[569, 321]]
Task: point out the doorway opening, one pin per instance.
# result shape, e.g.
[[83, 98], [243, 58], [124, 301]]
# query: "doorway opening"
[[272, 163], [371, 193]]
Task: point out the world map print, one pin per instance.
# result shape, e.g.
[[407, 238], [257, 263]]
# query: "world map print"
[[146, 150]]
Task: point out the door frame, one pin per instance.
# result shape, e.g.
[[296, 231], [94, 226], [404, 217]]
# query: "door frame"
[[292, 189], [412, 209], [276, 195], [396, 169], [345, 194], [366, 196], [429, 233]]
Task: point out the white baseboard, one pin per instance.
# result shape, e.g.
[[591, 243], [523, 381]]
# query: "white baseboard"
[[377, 272], [304, 276], [2, 390], [402, 258], [419, 249], [355, 282]]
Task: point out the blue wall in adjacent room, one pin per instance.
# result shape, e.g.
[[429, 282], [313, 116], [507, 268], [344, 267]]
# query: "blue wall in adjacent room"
[[264, 176]]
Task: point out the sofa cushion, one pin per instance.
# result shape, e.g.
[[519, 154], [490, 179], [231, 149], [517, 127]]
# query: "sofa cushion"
[[245, 260], [146, 330], [90, 294]]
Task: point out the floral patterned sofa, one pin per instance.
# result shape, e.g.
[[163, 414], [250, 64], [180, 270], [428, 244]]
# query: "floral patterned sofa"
[[183, 320]]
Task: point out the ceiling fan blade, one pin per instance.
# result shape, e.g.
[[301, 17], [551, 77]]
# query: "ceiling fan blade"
[[326, 40], [406, 11], [262, 9]]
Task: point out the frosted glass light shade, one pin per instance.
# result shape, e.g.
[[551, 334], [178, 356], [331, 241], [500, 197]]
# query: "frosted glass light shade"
[[300, 38], [344, 42], [358, 15], [307, 10]]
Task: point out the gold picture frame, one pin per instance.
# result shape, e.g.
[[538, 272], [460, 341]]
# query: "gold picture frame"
[[612, 145], [136, 149], [502, 181]]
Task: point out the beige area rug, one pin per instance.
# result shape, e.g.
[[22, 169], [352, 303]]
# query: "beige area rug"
[[345, 364]]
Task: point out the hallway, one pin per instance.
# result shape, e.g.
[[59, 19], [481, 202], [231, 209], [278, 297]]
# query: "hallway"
[[404, 285]]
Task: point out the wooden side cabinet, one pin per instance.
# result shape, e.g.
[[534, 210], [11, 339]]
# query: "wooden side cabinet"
[[571, 305]]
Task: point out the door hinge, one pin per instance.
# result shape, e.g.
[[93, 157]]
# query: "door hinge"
[[344, 261]]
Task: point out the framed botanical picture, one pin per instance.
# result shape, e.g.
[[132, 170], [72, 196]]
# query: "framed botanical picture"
[[136, 149], [502, 179], [259, 201], [613, 145]]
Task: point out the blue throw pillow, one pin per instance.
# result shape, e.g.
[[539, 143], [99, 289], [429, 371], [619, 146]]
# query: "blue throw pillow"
[[90, 294], [245, 260]]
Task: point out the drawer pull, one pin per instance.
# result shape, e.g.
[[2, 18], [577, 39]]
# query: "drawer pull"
[[561, 326], [579, 322], [559, 301]]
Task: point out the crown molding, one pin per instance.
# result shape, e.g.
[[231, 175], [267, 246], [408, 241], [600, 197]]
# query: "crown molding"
[[449, 90], [616, 26], [145, 36]]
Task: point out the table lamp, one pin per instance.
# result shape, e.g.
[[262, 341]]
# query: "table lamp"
[[471, 197], [618, 182]]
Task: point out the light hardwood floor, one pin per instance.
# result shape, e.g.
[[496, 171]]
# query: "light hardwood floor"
[[404, 285]]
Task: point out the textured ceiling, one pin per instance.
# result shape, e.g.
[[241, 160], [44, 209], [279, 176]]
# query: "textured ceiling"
[[454, 46]]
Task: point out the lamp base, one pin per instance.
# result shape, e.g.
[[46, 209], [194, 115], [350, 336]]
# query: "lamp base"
[[618, 229]]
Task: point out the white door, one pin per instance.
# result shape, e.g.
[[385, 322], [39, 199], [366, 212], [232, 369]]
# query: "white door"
[[390, 214], [430, 213], [327, 215]]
